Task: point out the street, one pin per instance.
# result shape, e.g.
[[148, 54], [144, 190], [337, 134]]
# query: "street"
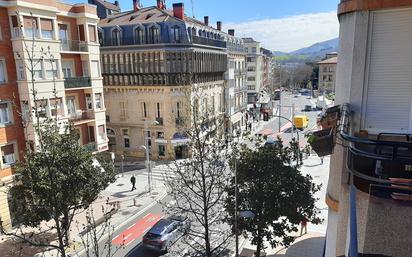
[[128, 237]]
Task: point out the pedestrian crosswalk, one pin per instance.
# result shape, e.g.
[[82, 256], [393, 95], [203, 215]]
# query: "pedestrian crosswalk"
[[159, 173]]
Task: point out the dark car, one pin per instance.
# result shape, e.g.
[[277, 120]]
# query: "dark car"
[[165, 233]]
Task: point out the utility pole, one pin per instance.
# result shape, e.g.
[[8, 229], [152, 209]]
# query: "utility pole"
[[236, 215]]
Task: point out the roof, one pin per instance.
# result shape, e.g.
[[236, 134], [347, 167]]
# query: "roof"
[[333, 60], [249, 40], [108, 5]]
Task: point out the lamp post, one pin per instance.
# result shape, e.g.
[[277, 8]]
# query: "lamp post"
[[146, 147]]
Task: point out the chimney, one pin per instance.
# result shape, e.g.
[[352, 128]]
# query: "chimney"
[[231, 32], [179, 11], [219, 25], [161, 4], [136, 5], [206, 20], [116, 3]]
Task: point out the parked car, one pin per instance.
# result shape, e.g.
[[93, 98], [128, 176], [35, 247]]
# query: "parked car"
[[165, 233], [308, 108]]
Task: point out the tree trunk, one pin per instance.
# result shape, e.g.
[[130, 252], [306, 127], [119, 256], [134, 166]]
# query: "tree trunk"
[[66, 228], [259, 243]]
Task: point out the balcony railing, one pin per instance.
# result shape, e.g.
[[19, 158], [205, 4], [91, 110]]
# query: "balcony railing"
[[380, 166], [239, 49], [208, 42], [77, 82], [79, 115], [73, 46]]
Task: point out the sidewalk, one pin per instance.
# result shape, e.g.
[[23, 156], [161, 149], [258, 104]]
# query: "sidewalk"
[[124, 205]]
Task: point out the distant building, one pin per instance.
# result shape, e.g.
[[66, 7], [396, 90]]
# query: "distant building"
[[327, 73], [255, 66], [155, 61], [266, 68], [105, 8], [235, 79]]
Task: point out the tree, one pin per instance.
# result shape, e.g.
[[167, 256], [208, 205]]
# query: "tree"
[[199, 182], [271, 186], [57, 177]]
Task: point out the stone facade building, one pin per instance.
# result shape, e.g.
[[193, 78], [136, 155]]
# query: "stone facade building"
[[254, 67], [67, 78], [327, 73], [157, 64]]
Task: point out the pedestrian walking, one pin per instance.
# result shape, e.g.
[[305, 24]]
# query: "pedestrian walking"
[[303, 226], [133, 181], [321, 160]]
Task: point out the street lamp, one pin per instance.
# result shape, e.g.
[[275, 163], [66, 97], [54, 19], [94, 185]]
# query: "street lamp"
[[146, 147]]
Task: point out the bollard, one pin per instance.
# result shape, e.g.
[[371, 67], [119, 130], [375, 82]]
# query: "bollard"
[[134, 202]]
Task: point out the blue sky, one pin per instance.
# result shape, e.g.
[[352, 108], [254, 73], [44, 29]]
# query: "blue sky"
[[283, 25]]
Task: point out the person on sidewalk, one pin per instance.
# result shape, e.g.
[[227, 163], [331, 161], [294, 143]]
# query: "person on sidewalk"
[[133, 181], [321, 160], [303, 225]]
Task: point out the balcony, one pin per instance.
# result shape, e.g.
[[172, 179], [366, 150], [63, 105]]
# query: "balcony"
[[77, 82], [208, 42], [239, 49], [81, 117], [73, 46], [381, 165]]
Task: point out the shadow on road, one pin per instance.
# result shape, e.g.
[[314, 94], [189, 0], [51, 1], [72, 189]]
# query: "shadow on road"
[[140, 251]]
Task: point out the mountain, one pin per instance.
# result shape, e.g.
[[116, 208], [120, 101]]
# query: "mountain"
[[314, 52], [318, 50]]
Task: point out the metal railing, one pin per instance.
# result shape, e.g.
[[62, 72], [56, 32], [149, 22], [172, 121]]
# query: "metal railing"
[[239, 49], [208, 42], [77, 82], [379, 167], [74, 46]]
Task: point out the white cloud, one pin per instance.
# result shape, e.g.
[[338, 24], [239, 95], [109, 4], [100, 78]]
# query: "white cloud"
[[290, 33]]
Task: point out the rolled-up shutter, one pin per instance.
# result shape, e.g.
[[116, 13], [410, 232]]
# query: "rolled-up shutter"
[[389, 88]]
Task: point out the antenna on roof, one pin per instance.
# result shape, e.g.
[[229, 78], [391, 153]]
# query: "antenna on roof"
[[193, 8]]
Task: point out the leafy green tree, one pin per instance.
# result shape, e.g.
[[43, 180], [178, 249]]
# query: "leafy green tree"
[[271, 186], [55, 181]]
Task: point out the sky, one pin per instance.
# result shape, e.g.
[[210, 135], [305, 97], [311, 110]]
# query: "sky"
[[281, 25]]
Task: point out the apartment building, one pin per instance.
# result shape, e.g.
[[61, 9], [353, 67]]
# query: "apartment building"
[[12, 143], [105, 8], [327, 73], [266, 68], [158, 65], [369, 188], [254, 66], [235, 78]]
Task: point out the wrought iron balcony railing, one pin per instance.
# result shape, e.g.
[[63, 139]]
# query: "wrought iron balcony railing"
[[381, 165], [208, 42], [74, 46], [77, 82]]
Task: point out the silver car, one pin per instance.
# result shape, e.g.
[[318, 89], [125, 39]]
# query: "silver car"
[[165, 233]]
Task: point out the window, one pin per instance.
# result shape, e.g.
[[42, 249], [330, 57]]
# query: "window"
[[92, 33], [7, 154], [251, 59], [254, 49], [252, 68], [46, 28], [95, 69], [30, 26], [37, 69], [158, 110], [138, 36], [71, 105], [67, 67], [15, 25], [176, 33], [5, 113], [116, 37], [162, 150], [63, 33], [122, 110], [160, 135], [101, 130], [126, 138], [26, 113], [3, 72], [21, 71], [145, 111], [56, 107], [51, 69], [178, 110], [89, 102], [99, 104], [251, 78], [100, 35], [41, 107], [154, 35]]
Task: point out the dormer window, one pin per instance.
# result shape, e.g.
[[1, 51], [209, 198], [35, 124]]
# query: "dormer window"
[[116, 37], [176, 33], [139, 36], [154, 35]]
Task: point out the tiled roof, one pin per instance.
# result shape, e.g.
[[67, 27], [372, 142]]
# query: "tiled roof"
[[109, 5], [333, 60]]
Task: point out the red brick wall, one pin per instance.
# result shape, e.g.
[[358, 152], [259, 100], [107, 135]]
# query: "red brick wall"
[[77, 63], [9, 91]]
